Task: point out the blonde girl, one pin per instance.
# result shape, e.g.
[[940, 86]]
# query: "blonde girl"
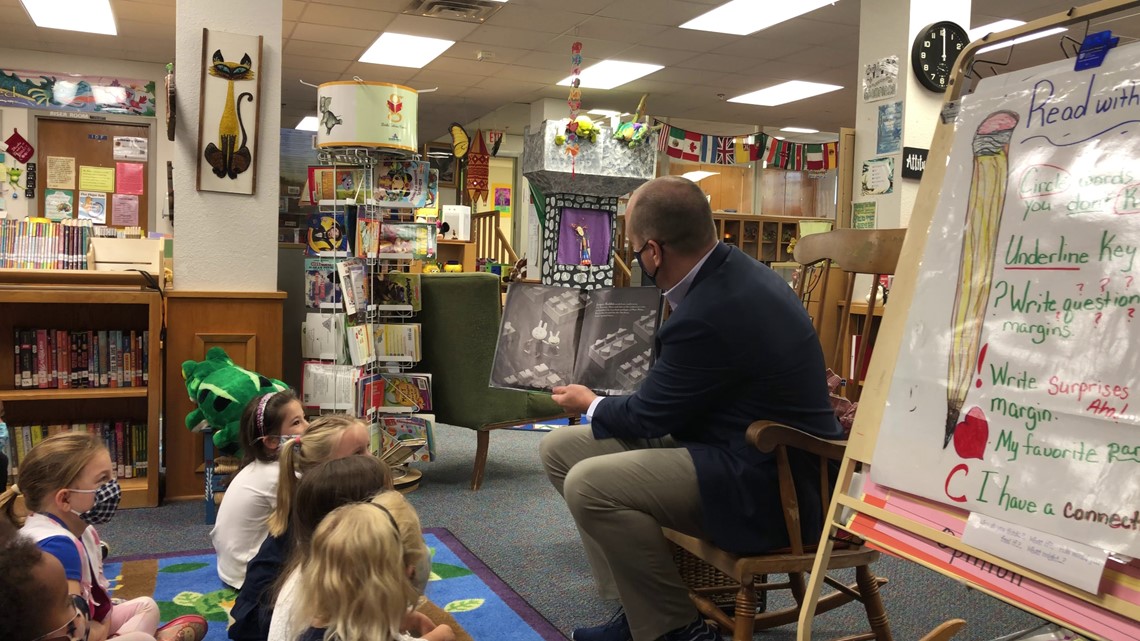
[[68, 486], [328, 437], [267, 422], [354, 579]]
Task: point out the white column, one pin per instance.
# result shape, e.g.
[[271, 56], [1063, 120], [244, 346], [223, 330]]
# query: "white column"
[[226, 242], [886, 28]]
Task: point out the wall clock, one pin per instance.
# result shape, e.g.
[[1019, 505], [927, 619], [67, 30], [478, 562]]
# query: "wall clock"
[[934, 51]]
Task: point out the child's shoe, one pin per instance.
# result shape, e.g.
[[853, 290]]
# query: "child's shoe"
[[190, 627]]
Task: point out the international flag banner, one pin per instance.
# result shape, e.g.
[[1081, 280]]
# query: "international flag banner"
[[742, 151], [663, 138], [725, 151], [685, 145], [814, 159], [772, 150], [830, 155], [708, 149]]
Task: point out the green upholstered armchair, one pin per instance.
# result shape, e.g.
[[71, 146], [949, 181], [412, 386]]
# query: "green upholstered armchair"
[[460, 323]]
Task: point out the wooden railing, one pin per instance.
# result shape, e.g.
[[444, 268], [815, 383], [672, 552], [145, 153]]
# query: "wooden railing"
[[490, 241]]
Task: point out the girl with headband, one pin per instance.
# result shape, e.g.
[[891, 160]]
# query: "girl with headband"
[[242, 524]]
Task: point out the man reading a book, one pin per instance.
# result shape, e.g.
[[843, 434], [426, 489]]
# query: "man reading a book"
[[738, 347]]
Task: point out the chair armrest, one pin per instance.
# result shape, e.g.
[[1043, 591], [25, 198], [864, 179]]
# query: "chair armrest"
[[766, 435]]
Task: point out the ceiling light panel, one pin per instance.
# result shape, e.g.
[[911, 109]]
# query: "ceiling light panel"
[[308, 123], [608, 74], [90, 16], [742, 17], [780, 94], [402, 50]]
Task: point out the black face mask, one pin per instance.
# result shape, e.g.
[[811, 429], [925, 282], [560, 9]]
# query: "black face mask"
[[637, 255]]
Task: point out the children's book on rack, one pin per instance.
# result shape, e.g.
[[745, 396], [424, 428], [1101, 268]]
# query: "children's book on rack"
[[397, 342], [61, 359], [551, 336], [394, 451], [367, 235], [328, 233], [392, 392], [360, 344], [125, 440], [335, 183], [322, 284], [417, 239], [410, 428], [329, 386], [354, 284], [322, 337], [402, 183], [395, 291]]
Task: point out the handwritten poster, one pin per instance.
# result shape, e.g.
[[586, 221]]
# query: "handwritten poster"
[[1014, 395], [863, 215], [96, 178], [93, 206], [130, 177], [125, 210], [60, 172]]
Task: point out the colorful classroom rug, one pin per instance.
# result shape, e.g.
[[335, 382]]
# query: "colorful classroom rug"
[[463, 592]]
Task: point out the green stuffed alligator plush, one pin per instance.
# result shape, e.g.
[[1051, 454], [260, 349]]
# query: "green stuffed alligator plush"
[[222, 389]]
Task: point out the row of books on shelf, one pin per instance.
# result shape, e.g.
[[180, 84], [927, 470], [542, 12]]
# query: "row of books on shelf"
[[344, 233], [331, 386], [27, 243], [348, 285], [125, 440], [61, 359], [399, 439], [331, 337]]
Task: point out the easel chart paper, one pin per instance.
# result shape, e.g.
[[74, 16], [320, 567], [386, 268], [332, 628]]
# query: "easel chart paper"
[[1013, 394]]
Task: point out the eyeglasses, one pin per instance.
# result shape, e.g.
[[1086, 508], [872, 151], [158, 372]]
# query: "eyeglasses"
[[69, 630]]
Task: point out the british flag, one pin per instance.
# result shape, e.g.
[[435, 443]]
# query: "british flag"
[[725, 150]]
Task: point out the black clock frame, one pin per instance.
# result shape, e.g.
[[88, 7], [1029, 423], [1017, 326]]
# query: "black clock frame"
[[916, 49]]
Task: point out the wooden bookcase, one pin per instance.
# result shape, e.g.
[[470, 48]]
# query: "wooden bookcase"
[[68, 303], [768, 239]]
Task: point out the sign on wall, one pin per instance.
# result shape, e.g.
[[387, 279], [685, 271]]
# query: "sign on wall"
[[76, 93], [914, 162]]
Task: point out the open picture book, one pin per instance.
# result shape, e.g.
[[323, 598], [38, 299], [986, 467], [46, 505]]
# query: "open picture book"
[[551, 336]]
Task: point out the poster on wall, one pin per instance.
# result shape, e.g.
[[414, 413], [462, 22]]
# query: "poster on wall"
[[67, 92], [93, 178], [60, 172], [889, 139], [227, 112], [93, 206], [881, 79], [502, 196], [878, 176], [129, 176], [863, 215], [125, 210], [1014, 395], [129, 148], [59, 204]]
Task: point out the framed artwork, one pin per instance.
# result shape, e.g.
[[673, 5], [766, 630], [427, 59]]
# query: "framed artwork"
[[228, 108], [440, 157]]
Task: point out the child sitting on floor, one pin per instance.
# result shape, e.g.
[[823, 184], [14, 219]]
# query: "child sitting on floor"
[[267, 422]]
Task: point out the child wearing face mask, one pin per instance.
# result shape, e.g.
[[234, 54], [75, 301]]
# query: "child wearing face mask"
[[34, 600], [267, 422], [69, 487]]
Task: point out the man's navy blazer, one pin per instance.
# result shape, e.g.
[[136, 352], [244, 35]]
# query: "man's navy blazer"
[[739, 348]]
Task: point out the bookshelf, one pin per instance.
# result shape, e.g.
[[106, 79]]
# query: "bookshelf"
[[71, 303], [768, 239]]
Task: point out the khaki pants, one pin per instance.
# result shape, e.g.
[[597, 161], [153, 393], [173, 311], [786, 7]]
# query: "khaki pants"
[[621, 493]]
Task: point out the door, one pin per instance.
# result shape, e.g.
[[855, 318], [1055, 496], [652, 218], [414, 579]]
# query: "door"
[[94, 170]]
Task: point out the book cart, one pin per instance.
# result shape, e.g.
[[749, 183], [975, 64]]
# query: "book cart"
[[359, 339], [1050, 531]]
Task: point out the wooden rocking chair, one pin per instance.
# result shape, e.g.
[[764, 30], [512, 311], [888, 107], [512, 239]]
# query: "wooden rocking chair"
[[739, 574]]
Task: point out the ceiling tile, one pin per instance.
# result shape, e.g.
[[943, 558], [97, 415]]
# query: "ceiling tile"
[[312, 63], [297, 47], [592, 49], [513, 16], [557, 62], [287, 29], [688, 39], [469, 67], [785, 70], [585, 7], [292, 9], [342, 35], [509, 86], [142, 12], [688, 76], [843, 12], [628, 31], [655, 55], [501, 54], [715, 62], [347, 17], [529, 74], [394, 6], [670, 13], [492, 35], [379, 73], [428, 78]]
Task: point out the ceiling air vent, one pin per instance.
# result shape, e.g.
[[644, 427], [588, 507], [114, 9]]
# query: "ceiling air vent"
[[466, 10]]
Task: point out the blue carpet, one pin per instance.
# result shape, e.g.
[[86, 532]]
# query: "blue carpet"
[[461, 584]]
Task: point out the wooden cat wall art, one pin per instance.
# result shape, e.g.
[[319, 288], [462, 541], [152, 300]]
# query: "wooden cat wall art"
[[228, 109]]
